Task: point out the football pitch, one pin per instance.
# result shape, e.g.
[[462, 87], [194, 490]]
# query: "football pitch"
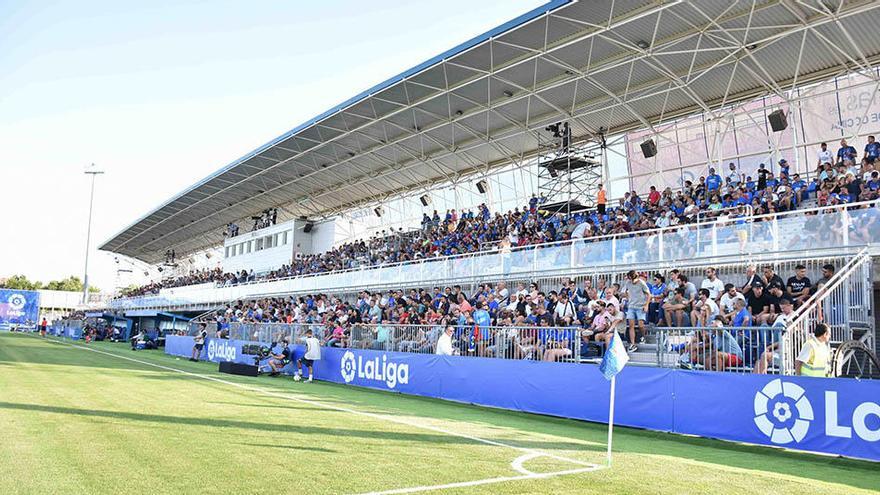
[[99, 418]]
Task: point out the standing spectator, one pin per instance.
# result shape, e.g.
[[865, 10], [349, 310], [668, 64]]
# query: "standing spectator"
[[824, 155], [638, 296], [872, 150], [845, 153], [601, 200], [799, 285], [734, 177]]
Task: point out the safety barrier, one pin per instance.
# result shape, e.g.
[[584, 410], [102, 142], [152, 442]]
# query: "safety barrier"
[[731, 349], [844, 304], [835, 416], [806, 230]]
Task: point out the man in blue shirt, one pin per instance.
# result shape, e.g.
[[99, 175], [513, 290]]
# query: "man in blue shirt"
[[713, 181], [845, 152], [872, 150]]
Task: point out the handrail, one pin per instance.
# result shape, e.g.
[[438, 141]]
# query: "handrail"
[[363, 271], [833, 283], [519, 249]]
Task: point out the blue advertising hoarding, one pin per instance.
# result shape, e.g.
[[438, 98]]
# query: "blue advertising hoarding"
[[836, 416], [19, 306]]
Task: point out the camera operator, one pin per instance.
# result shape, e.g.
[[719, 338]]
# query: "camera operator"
[[280, 360], [199, 342]]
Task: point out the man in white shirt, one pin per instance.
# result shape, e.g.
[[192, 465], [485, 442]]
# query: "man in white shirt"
[[712, 283], [313, 353], [444, 343], [824, 155], [705, 310], [728, 303]]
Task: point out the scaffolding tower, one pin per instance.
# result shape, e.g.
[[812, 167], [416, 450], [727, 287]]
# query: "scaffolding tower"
[[569, 176]]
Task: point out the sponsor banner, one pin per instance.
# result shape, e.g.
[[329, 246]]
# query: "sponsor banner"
[[557, 389], [836, 416], [221, 350], [19, 306]]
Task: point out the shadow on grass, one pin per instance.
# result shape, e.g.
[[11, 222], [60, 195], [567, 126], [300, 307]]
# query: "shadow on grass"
[[289, 447], [848, 472], [34, 350], [273, 406], [279, 428]]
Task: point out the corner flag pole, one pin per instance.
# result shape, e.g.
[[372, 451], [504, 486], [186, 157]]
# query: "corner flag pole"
[[610, 420]]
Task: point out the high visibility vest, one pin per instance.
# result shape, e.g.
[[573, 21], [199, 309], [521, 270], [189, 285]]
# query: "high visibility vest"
[[817, 364]]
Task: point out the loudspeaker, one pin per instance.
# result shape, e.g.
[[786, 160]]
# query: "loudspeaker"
[[238, 369], [777, 119], [378, 211], [426, 200], [482, 186], [308, 227], [649, 149]]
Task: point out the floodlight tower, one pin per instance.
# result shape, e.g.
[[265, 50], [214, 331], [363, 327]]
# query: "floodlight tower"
[[94, 172]]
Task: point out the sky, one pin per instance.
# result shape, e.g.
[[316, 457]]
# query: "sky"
[[159, 95]]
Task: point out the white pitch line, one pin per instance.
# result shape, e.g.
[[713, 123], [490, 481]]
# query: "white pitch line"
[[288, 396], [517, 463], [487, 481]]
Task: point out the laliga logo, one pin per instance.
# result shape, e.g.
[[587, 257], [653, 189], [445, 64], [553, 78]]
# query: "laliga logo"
[[373, 369], [221, 350], [348, 366], [774, 412], [777, 403], [17, 301]]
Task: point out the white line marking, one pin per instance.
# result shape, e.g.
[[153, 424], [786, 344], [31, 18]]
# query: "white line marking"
[[517, 463], [487, 481], [288, 396]]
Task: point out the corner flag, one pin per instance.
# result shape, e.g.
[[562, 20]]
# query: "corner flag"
[[615, 358]]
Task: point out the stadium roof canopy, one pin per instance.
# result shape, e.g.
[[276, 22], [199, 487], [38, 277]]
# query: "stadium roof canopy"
[[613, 64]]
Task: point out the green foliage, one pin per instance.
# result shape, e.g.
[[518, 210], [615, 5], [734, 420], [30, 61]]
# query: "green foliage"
[[20, 282], [70, 284]]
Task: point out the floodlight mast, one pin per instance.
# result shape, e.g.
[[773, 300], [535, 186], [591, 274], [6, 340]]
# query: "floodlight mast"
[[94, 172]]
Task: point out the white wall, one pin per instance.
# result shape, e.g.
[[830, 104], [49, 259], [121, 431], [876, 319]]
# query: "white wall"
[[287, 239]]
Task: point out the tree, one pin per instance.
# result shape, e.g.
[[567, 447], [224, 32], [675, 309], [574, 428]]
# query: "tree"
[[20, 282], [70, 284]]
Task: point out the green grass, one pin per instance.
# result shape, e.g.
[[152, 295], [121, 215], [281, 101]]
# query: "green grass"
[[75, 421]]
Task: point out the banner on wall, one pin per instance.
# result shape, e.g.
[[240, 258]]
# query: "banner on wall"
[[19, 306], [836, 416]]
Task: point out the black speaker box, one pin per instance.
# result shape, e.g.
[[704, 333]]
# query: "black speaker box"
[[238, 369], [777, 119], [308, 227], [649, 148]]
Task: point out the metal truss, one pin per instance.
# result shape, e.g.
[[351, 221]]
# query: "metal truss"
[[693, 57]]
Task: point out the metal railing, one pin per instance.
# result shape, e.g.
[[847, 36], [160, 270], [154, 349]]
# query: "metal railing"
[[844, 303], [817, 228], [732, 349]]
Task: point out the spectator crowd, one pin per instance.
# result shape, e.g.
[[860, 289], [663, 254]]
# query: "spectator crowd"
[[573, 321], [838, 180]]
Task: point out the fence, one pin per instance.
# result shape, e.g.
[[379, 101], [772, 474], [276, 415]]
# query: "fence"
[[733, 349], [844, 304], [801, 230]]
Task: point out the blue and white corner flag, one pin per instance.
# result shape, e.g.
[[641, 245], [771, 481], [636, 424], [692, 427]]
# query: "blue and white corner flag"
[[615, 358]]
